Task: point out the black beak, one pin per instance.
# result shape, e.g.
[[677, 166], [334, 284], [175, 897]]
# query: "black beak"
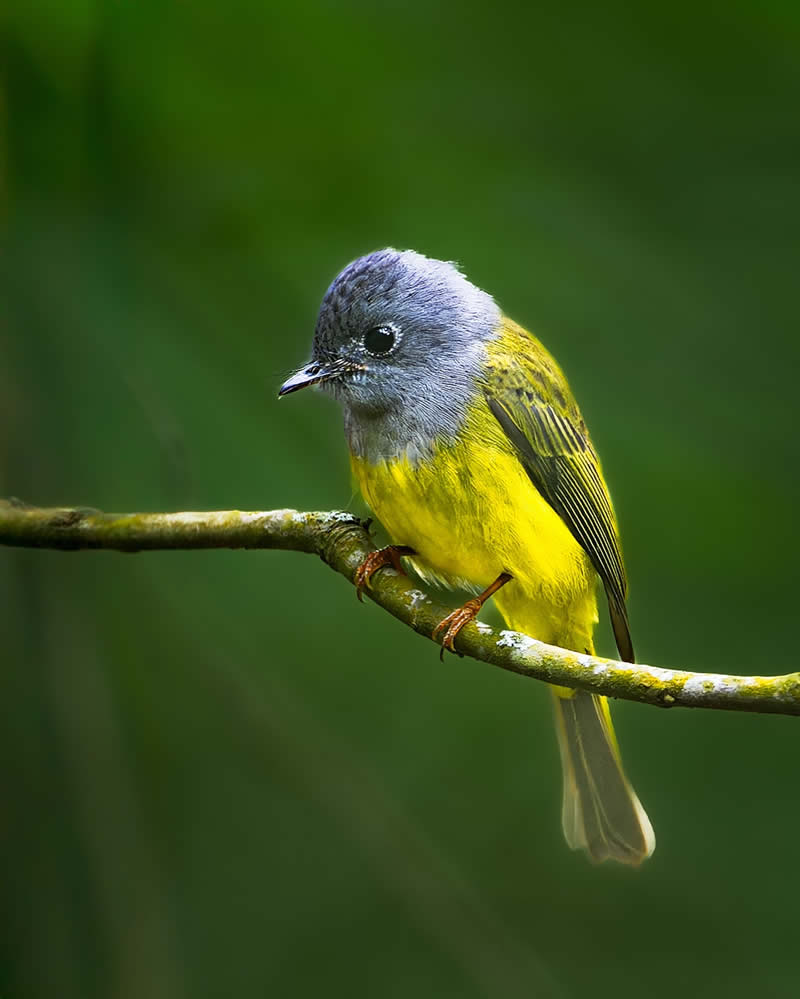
[[311, 374]]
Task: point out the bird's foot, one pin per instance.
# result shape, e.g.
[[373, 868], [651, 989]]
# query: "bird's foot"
[[454, 622], [389, 556]]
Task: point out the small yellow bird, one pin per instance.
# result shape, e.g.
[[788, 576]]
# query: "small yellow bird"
[[469, 447]]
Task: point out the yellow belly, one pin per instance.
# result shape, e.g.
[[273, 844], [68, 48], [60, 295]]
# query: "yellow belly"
[[471, 512]]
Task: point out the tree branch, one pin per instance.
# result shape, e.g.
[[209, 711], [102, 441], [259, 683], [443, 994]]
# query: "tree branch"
[[341, 541]]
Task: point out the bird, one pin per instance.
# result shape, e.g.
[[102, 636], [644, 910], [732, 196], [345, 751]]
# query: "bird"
[[468, 445]]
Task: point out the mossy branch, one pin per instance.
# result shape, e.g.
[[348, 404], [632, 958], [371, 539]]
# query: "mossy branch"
[[342, 541]]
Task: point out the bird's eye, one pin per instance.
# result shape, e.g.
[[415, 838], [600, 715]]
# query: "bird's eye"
[[380, 339]]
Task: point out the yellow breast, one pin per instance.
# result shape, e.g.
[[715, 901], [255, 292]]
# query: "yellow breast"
[[471, 512]]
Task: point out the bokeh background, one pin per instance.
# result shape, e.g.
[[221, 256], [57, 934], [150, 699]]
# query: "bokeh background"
[[220, 775]]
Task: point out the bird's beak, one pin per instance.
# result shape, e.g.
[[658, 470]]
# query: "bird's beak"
[[311, 374]]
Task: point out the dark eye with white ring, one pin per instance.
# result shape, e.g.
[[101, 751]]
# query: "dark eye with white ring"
[[380, 340]]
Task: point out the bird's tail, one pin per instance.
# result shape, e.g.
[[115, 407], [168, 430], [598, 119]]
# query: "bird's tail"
[[601, 813]]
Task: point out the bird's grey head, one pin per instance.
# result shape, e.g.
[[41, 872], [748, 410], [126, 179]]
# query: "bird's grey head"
[[400, 336]]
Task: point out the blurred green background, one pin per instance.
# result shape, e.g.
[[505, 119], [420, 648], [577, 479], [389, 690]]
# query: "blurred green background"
[[220, 775]]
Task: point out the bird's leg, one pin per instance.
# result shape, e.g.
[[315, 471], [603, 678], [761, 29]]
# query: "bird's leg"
[[378, 560], [463, 615]]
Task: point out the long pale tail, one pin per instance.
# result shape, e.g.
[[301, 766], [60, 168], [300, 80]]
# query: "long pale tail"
[[601, 813]]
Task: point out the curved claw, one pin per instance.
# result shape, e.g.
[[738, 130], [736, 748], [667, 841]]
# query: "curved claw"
[[454, 622], [463, 615], [379, 559]]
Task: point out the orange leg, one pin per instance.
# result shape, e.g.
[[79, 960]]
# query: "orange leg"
[[378, 560], [463, 615]]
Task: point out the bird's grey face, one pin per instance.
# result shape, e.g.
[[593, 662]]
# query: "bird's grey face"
[[394, 327]]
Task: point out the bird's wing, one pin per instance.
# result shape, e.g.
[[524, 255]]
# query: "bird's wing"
[[532, 402]]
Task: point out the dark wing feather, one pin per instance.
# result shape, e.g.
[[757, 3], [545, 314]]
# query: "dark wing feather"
[[558, 456]]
